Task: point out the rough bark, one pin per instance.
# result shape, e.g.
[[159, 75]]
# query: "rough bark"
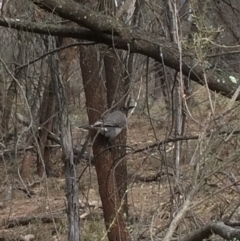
[[11, 93], [46, 120], [96, 102], [105, 29], [116, 93], [66, 56], [67, 156]]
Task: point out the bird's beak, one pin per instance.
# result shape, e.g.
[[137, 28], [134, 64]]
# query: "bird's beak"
[[130, 107]]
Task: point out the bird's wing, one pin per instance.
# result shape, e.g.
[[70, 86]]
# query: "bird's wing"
[[114, 119]]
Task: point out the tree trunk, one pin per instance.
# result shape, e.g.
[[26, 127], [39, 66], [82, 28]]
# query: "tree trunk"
[[103, 159], [116, 95], [11, 93], [67, 156], [46, 120]]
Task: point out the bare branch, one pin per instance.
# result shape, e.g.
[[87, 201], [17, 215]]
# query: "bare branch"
[[224, 230], [78, 154], [108, 30]]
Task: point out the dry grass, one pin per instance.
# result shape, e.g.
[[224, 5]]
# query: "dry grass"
[[149, 202]]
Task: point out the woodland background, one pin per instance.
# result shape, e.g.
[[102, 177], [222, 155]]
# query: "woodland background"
[[173, 174]]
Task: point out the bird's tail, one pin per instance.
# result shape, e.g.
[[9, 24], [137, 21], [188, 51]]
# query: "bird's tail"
[[86, 127]]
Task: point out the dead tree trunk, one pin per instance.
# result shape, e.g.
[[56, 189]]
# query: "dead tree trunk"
[[67, 156]]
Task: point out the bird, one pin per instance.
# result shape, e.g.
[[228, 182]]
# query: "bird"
[[111, 124]]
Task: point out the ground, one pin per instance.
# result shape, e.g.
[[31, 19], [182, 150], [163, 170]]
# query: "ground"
[[149, 200]]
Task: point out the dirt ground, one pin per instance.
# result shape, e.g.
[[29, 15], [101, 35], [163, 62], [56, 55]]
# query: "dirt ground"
[[151, 206]]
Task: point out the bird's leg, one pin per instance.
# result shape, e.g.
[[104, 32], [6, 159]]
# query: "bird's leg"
[[109, 143]]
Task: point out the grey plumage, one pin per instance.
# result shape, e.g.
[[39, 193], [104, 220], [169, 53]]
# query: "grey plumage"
[[111, 124]]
